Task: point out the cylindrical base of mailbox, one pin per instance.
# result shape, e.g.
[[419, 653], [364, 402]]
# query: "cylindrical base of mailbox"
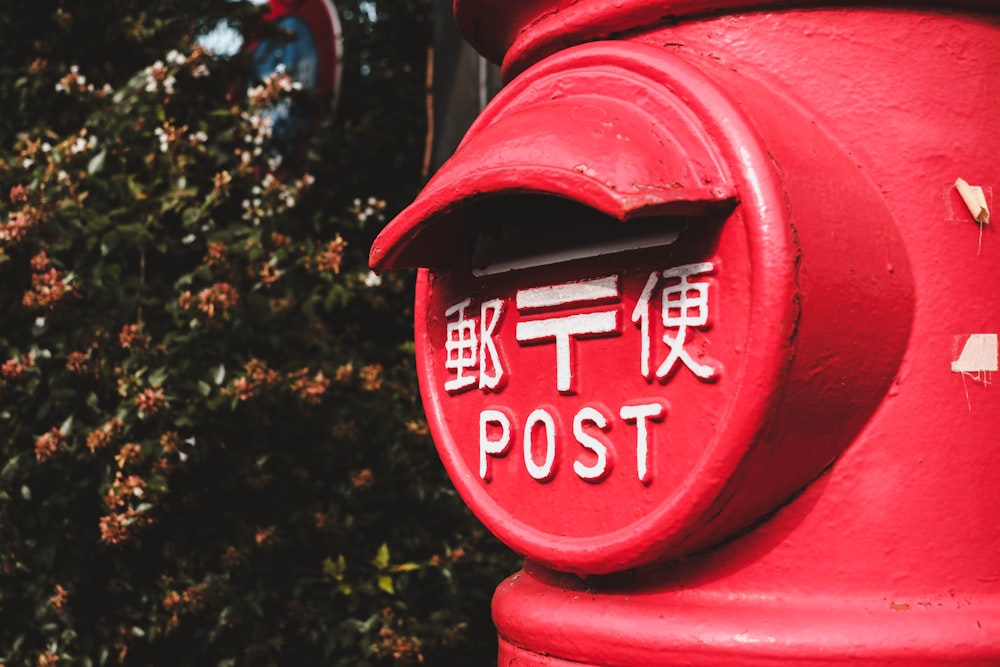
[[550, 620]]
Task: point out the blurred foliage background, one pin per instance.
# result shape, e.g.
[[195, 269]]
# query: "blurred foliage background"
[[212, 450]]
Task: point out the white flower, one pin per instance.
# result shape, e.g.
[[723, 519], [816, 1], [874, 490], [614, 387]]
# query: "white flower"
[[373, 279], [189, 239]]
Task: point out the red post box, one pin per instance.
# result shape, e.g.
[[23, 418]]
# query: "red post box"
[[705, 330]]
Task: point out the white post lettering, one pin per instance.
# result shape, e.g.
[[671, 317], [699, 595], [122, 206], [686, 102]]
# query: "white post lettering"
[[495, 446], [602, 467], [490, 368], [563, 328], [640, 314], [682, 310], [641, 414], [460, 347], [546, 471]]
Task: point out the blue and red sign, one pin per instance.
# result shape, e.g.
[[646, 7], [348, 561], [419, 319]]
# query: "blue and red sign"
[[311, 55]]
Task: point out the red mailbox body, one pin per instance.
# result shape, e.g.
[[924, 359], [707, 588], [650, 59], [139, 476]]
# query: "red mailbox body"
[[706, 331]]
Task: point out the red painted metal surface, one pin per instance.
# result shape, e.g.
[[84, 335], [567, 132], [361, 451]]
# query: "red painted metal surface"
[[705, 331]]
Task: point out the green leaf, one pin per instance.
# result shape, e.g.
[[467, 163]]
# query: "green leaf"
[[157, 377], [190, 216], [219, 374], [109, 242], [385, 583], [9, 469], [335, 569], [406, 567], [382, 557], [96, 163]]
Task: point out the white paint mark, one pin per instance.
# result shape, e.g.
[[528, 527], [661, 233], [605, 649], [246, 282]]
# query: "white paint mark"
[[546, 470], [979, 355], [492, 446], [595, 289], [641, 414], [600, 469], [747, 638]]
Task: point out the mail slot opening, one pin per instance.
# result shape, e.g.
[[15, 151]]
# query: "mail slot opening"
[[525, 231]]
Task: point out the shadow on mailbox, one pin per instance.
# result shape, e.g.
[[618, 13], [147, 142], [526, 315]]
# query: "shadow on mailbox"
[[647, 315]]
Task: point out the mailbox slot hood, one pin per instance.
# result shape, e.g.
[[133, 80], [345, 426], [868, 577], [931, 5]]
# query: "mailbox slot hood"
[[631, 155]]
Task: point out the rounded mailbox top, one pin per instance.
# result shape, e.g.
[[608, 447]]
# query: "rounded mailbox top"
[[609, 313], [516, 33]]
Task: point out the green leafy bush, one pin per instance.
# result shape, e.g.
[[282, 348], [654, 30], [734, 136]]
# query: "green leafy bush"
[[212, 451]]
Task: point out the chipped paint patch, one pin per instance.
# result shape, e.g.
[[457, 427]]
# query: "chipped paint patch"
[[979, 355], [975, 200]]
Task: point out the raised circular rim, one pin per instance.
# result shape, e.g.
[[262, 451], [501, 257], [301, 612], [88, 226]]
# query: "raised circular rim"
[[767, 353]]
